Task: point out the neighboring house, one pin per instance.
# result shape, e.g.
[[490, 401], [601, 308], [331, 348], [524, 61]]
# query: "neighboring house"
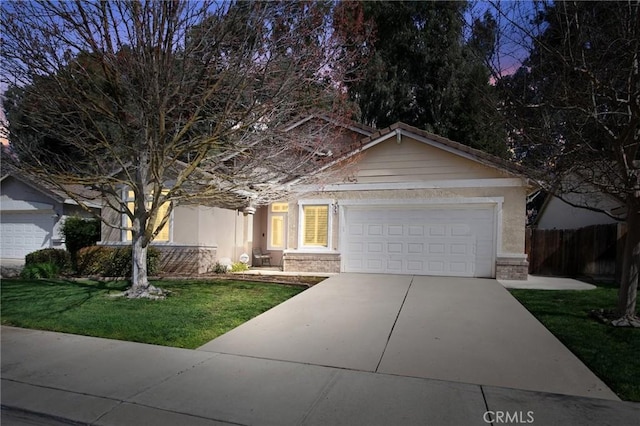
[[417, 204], [558, 214], [31, 216]]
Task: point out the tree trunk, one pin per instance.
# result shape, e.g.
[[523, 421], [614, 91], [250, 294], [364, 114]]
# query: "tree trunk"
[[140, 286], [628, 292]]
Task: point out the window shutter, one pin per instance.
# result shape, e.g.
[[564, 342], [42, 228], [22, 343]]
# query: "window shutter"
[[163, 235], [316, 225], [277, 231]]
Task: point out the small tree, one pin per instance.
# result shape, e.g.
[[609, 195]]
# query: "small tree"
[[171, 101], [79, 233]]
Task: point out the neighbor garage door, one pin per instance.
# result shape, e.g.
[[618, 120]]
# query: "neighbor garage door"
[[434, 240], [22, 233]]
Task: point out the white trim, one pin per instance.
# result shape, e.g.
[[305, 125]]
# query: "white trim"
[[329, 120], [87, 204], [426, 202], [434, 184], [518, 256], [315, 202], [285, 230]]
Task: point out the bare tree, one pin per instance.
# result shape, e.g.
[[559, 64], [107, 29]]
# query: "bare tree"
[[574, 110], [172, 101]]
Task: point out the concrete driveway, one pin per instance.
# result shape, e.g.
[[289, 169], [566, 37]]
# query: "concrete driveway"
[[456, 329]]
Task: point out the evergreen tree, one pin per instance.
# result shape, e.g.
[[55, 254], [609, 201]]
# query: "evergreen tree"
[[422, 72]]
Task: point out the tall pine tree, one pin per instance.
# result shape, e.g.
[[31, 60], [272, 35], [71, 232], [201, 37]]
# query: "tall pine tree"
[[424, 73]]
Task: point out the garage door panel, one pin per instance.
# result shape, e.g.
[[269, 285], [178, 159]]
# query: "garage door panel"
[[23, 233], [425, 241], [395, 230]]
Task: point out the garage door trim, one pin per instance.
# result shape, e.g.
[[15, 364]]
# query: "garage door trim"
[[494, 203]]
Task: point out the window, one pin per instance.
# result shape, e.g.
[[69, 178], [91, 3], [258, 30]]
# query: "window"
[[315, 224], [277, 229], [163, 235]]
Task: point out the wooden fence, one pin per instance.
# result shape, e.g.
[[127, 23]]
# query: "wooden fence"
[[594, 251]]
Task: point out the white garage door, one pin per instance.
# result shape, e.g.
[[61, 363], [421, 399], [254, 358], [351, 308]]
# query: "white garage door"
[[447, 241], [22, 233]]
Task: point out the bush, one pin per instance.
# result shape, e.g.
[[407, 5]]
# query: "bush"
[[239, 267], [79, 233], [219, 268], [58, 257], [40, 270], [112, 261]]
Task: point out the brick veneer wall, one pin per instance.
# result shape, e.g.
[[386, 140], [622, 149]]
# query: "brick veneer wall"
[[186, 259], [512, 269], [311, 262]]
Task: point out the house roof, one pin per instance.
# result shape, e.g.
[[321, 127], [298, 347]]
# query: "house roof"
[[363, 129], [50, 191], [398, 129]]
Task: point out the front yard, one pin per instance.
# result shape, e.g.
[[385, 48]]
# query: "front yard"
[[195, 312], [611, 353]]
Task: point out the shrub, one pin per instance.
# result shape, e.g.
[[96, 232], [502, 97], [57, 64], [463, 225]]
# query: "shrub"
[[219, 268], [79, 233], [58, 257], [40, 270], [112, 261], [239, 267]]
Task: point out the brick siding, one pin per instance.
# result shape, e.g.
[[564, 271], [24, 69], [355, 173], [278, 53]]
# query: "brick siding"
[[186, 259], [512, 269], [311, 262]]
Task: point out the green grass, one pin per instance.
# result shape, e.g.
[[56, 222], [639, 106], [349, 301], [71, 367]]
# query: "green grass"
[[612, 353], [193, 314]]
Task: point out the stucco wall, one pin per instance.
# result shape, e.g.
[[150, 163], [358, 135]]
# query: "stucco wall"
[[233, 232], [560, 215]]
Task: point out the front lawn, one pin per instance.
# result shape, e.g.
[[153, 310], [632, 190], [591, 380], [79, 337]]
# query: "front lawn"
[[194, 313], [611, 353]]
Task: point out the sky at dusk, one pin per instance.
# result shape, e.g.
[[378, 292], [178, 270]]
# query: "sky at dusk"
[[511, 44]]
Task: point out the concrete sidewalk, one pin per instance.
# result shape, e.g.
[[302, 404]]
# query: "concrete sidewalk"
[[539, 282], [53, 379]]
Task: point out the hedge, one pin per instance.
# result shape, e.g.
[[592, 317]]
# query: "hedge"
[[58, 257], [112, 261]]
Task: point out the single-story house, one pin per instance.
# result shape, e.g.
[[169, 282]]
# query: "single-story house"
[[417, 203], [558, 214], [412, 203], [31, 215]]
